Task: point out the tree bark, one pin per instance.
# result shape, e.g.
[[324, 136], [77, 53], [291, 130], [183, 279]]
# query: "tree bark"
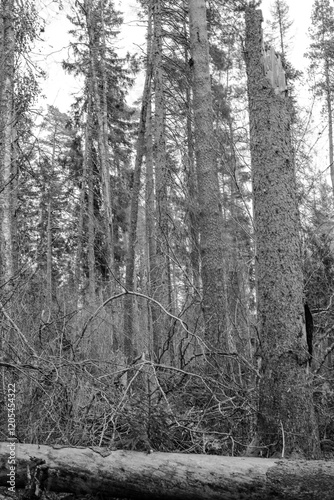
[[7, 50], [137, 475], [286, 418], [210, 217], [150, 201]]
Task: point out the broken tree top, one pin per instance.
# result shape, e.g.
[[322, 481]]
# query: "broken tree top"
[[273, 69], [272, 64]]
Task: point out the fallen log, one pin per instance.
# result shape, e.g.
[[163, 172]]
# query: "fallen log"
[[164, 476]]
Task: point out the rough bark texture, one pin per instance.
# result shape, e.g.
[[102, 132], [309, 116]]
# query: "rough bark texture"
[[286, 419], [210, 217], [7, 48], [136, 475]]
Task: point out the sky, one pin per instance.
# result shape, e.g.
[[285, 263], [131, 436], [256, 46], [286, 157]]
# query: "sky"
[[49, 54], [300, 14], [59, 86], [60, 89]]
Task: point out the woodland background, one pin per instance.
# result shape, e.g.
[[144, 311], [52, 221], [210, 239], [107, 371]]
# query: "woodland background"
[[101, 300]]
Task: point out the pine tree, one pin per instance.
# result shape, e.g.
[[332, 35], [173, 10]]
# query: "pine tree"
[[107, 78], [54, 176], [281, 25]]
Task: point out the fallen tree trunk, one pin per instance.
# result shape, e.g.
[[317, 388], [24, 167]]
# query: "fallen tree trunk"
[[136, 475]]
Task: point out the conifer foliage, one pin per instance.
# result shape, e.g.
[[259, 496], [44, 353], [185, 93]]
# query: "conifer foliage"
[[138, 309]]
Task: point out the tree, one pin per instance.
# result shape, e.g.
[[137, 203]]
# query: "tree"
[[128, 474], [55, 186], [7, 53], [178, 172], [103, 110], [210, 217], [86, 184], [129, 341], [286, 419], [160, 261], [95, 18], [228, 87], [279, 36], [319, 275], [281, 24], [321, 54], [18, 88]]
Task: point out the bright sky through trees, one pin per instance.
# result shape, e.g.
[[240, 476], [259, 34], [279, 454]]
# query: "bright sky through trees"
[[59, 86], [300, 14]]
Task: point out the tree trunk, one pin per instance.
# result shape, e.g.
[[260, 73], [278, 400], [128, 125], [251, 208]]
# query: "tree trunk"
[[129, 347], [106, 164], [14, 202], [286, 419], [137, 475], [49, 284], [210, 217], [150, 207], [330, 122], [87, 204], [191, 181], [7, 49], [100, 106], [49, 256], [91, 218], [236, 296], [160, 275], [82, 209], [82, 199], [192, 200]]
